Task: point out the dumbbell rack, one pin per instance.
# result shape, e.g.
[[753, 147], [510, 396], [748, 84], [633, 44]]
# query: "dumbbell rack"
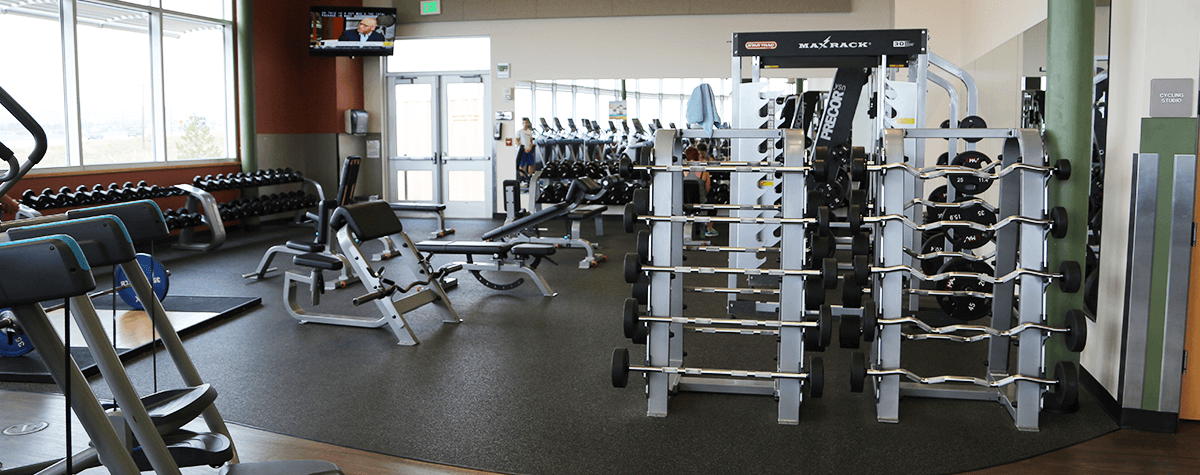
[[1019, 245], [199, 200], [665, 340]]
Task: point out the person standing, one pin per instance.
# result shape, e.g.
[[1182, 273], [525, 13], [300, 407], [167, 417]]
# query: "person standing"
[[525, 155]]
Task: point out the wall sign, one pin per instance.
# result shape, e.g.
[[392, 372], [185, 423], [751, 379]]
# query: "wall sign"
[[1171, 97]]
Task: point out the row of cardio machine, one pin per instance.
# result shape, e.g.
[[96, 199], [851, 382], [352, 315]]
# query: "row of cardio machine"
[[593, 142]]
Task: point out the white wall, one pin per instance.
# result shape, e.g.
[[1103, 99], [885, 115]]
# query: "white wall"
[[1148, 40]]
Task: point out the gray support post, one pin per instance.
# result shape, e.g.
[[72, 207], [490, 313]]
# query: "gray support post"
[[1144, 195], [890, 241], [1178, 280], [791, 288], [666, 249], [1031, 308]]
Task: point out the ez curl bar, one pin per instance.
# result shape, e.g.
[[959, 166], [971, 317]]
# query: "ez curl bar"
[[1065, 394], [1069, 276], [851, 330]]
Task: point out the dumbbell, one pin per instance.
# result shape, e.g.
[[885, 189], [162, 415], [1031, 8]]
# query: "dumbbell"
[[1064, 396], [83, 196], [814, 379]]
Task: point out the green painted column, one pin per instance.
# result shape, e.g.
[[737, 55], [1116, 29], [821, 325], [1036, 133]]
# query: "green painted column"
[[245, 85], [1069, 61]]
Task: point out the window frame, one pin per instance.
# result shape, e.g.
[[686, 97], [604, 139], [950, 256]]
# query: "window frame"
[[69, 22]]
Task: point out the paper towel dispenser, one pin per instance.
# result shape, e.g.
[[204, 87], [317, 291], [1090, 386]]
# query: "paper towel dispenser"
[[356, 122]]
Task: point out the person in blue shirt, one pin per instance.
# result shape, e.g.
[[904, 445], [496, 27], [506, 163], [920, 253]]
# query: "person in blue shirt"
[[365, 32]]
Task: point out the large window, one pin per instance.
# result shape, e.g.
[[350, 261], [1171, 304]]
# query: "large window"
[[646, 99], [133, 82]]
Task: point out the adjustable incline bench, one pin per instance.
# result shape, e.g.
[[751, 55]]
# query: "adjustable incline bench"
[[576, 217], [511, 255], [362, 222]]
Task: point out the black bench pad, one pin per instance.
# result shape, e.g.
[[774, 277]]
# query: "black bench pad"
[[585, 212], [426, 207], [319, 261], [533, 250], [305, 246], [464, 247]]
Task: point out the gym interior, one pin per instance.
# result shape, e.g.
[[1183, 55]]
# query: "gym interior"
[[902, 236]]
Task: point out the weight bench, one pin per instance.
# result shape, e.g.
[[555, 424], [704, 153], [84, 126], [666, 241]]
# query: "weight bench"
[[518, 230], [362, 222], [505, 257], [437, 209]]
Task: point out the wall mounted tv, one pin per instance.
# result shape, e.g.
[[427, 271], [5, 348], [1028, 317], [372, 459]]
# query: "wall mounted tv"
[[351, 31]]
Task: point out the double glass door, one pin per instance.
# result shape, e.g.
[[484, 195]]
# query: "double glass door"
[[440, 147]]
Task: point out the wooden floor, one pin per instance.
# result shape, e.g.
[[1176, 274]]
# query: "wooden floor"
[[1121, 452]]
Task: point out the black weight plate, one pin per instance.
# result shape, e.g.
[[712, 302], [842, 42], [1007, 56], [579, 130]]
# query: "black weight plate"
[[963, 307], [641, 292], [814, 293], [1062, 169], [858, 371], [862, 269], [849, 331], [972, 122], [816, 377], [1075, 338], [829, 268], [1091, 290], [869, 320], [970, 184], [641, 201], [629, 312], [620, 367], [822, 247], [860, 244], [633, 268], [1072, 277], [629, 218], [859, 197], [1058, 222], [851, 293], [934, 243], [825, 325], [965, 237], [643, 246], [1065, 397]]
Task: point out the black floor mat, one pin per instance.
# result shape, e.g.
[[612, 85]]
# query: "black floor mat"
[[31, 369]]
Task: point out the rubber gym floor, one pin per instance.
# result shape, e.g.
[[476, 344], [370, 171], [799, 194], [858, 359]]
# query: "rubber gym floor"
[[522, 385]]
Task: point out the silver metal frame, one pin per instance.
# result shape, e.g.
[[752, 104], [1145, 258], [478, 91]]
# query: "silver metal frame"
[[392, 310]]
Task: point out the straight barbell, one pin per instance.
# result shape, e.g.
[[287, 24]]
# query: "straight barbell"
[[814, 378], [827, 273]]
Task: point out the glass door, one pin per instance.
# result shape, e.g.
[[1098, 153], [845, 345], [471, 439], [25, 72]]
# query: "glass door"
[[440, 144]]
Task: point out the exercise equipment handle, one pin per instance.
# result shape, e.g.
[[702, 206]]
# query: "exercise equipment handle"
[[16, 170]]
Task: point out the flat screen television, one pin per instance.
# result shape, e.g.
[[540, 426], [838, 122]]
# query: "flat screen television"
[[351, 31]]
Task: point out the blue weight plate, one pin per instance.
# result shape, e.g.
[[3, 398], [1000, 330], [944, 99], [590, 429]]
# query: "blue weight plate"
[[154, 271], [20, 344]]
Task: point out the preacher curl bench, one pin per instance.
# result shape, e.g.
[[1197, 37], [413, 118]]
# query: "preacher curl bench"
[[361, 222]]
